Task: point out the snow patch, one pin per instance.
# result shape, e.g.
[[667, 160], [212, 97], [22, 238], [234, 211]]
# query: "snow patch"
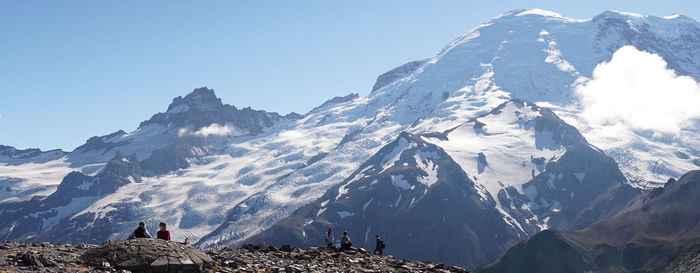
[[549, 14], [545, 223], [554, 56], [556, 206], [400, 182], [320, 211], [550, 181], [344, 214], [396, 204], [12, 227], [364, 207], [425, 161], [629, 14], [369, 228]]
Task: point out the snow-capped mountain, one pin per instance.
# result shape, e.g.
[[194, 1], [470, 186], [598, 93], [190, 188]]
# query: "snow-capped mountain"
[[220, 175], [542, 56], [510, 56], [484, 185], [198, 116], [193, 128], [44, 218]]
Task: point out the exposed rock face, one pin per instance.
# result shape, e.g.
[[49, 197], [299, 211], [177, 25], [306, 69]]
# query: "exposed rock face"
[[687, 262], [646, 238], [337, 100], [149, 255], [202, 108], [103, 143], [397, 73], [258, 258]]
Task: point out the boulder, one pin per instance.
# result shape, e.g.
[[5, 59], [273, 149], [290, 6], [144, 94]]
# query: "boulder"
[[149, 255]]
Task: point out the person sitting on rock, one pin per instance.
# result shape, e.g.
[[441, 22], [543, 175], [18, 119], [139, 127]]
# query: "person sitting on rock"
[[345, 242], [163, 233], [329, 238], [380, 246], [140, 232]]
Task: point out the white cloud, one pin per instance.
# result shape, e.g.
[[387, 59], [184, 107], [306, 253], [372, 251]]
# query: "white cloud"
[[636, 89], [214, 129], [184, 132]]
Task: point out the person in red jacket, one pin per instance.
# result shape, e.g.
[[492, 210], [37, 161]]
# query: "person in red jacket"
[[163, 233]]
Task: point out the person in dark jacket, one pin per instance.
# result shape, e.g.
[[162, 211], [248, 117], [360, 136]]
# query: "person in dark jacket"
[[163, 233], [345, 242], [380, 246], [140, 232]]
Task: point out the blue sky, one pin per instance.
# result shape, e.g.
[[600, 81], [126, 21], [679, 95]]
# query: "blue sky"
[[70, 70]]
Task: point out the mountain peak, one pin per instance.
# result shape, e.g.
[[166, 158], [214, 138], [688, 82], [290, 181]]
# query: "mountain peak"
[[533, 13], [202, 99], [540, 12], [680, 18], [202, 92], [632, 17], [616, 13]]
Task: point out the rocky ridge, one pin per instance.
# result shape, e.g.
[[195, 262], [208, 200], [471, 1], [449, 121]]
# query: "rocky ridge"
[[14, 156], [259, 258], [46, 257], [654, 231], [687, 262]]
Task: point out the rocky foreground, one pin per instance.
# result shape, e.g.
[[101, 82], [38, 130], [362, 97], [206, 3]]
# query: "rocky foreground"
[[151, 255], [255, 258]]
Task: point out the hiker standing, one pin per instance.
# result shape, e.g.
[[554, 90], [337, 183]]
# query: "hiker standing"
[[140, 232], [345, 242], [380, 246], [329, 238], [163, 233]]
